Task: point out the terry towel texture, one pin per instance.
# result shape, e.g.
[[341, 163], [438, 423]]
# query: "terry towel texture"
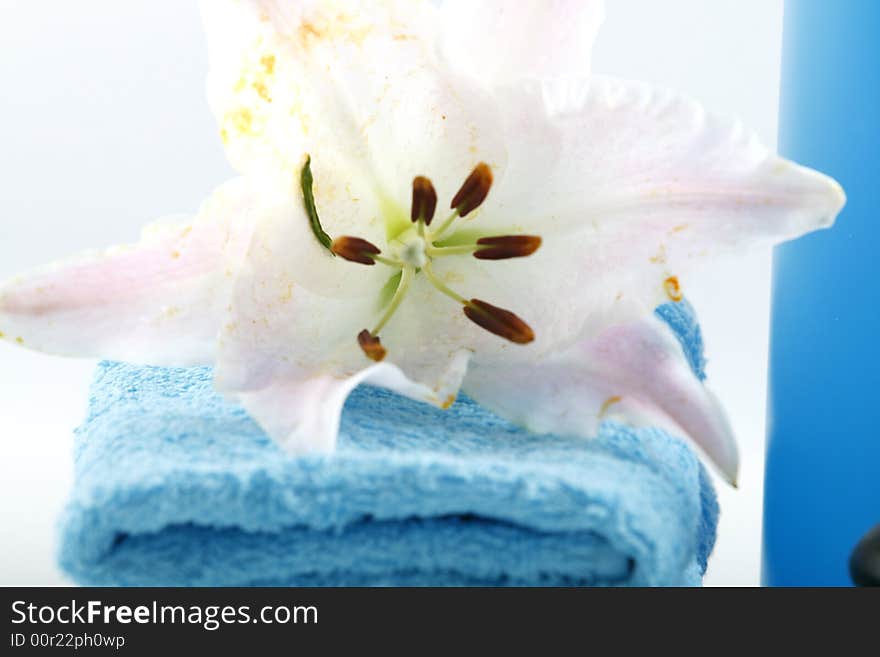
[[174, 486]]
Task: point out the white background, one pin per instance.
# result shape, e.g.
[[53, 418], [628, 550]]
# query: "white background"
[[104, 127]]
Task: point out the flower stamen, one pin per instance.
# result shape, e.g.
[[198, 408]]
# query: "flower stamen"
[[355, 249], [424, 201], [509, 246], [469, 197], [474, 190], [369, 340], [441, 287], [372, 346], [445, 225], [458, 249], [499, 321], [406, 278], [412, 252]]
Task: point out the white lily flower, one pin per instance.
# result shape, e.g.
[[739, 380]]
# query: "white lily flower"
[[324, 266]]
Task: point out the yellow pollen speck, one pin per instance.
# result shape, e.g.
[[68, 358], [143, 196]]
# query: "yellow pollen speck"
[[660, 258], [175, 254], [224, 135], [268, 63], [241, 119], [19, 340], [450, 400], [679, 228], [262, 91], [332, 27], [308, 30], [673, 289], [2, 335], [608, 404]]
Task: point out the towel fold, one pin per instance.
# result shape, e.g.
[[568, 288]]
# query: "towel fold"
[[176, 487]]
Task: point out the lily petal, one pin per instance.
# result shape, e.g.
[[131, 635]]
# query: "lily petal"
[[635, 372], [499, 42], [159, 302], [631, 194], [356, 86], [301, 411], [636, 159]]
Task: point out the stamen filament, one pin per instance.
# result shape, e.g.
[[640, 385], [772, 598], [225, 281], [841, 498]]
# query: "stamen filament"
[[439, 251], [437, 234], [391, 262], [402, 288], [441, 287]]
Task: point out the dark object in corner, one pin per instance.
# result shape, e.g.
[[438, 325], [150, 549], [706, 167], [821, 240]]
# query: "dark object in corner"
[[864, 564]]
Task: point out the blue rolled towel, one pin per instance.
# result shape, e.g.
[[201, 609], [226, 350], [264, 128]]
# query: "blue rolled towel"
[[174, 486]]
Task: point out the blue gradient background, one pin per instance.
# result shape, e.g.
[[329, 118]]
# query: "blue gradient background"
[[823, 462]]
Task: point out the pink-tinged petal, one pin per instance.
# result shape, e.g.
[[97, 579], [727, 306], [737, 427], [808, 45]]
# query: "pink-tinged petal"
[[301, 416], [301, 413], [633, 161], [635, 372], [158, 302], [632, 193], [498, 41]]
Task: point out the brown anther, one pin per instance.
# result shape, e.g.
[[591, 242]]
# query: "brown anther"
[[509, 246], [371, 345], [355, 249], [499, 321], [424, 200], [474, 190]]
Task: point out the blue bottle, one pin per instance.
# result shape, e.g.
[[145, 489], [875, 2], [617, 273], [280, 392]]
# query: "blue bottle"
[[823, 462]]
